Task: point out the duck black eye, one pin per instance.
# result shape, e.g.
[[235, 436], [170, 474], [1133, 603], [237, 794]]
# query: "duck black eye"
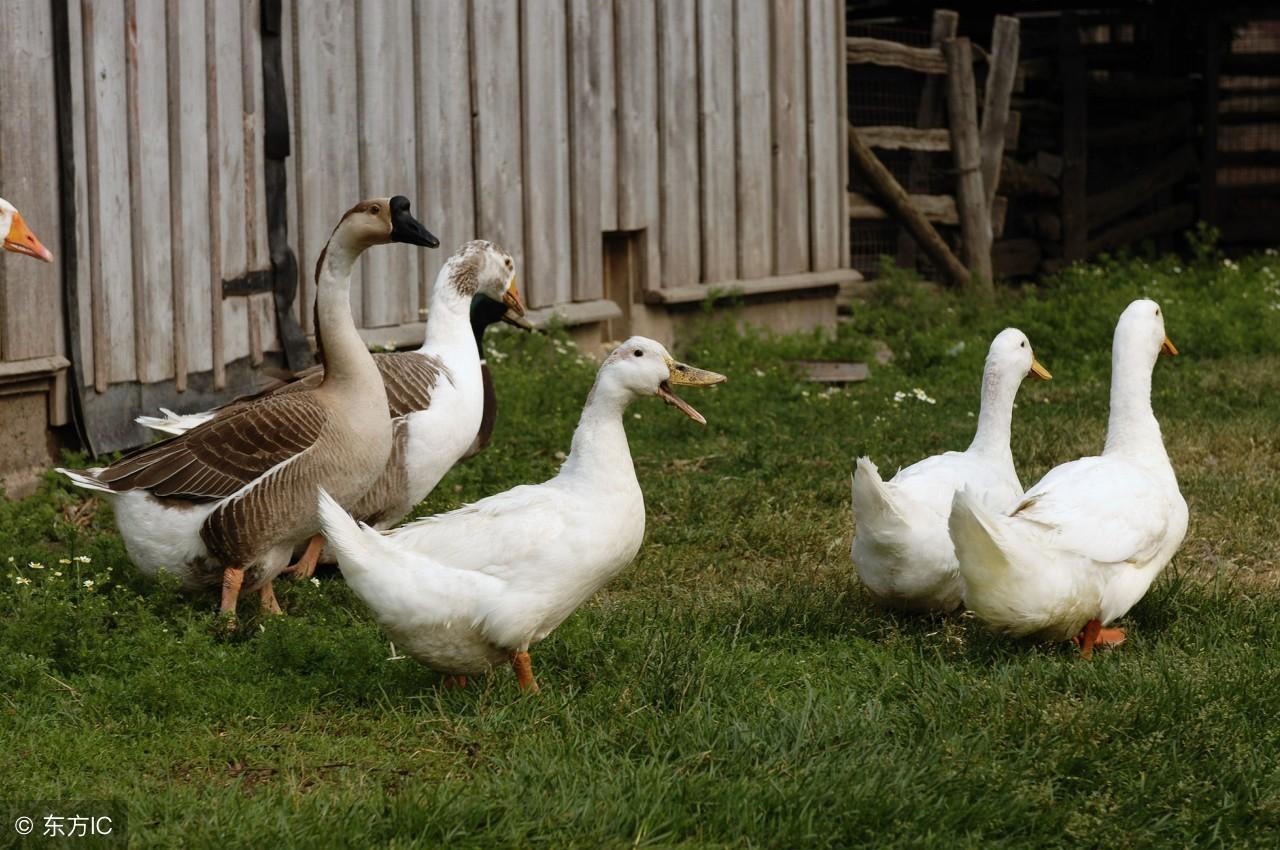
[[375, 209], [639, 353], [1023, 343]]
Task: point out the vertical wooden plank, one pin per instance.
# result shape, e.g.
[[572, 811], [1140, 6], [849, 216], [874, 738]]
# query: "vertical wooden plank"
[[678, 137], [637, 54], [602, 11], [824, 151], [189, 191], [446, 185], [177, 235], [288, 40], [791, 143], [229, 150], [30, 294], [962, 114], [79, 109], [929, 114], [842, 122], [328, 179], [754, 140], [149, 188], [217, 343], [388, 156], [260, 306], [1209, 119], [495, 52], [111, 260], [1075, 140], [585, 123], [715, 89], [1003, 67], [544, 69]]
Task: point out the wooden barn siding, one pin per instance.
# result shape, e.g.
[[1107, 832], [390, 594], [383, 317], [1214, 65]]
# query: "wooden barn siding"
[[711, 125]]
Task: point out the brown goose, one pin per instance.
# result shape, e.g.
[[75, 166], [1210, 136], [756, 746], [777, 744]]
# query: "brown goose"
[[230, 500], [437, 395]]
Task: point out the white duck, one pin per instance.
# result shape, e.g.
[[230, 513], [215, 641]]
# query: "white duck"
[[1085, 543], [17, 237], [435, 395], [901, 549], [476, 587]]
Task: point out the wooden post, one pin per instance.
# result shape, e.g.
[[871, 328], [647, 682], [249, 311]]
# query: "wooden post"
[[1075, 141], [928, 116], [896, 201], [1209, 153], [971, 196], [995, 105]]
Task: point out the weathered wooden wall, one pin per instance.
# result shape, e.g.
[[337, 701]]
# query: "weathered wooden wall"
[[711, 127]]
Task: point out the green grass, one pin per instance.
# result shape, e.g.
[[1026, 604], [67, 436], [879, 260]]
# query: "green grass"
[[733, 687]]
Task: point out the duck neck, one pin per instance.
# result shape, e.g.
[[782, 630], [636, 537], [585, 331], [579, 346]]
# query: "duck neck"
[[995, 414], [1132, 426], [344, 354], [600, 450], [449, 319]]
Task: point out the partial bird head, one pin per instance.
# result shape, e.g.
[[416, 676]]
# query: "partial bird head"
[[1141, 328], [17, 237], [481, 268], [381, 221], [1011, 352], [485, 312], [643, 367]]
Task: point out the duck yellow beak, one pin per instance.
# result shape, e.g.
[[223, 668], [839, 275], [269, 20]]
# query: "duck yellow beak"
[[511, 317], [682, 374], [1167, 347], [1037, 369], [512, 298], [22, 241]]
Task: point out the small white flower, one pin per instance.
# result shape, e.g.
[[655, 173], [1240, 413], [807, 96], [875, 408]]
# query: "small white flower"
[[635, 416], [35, 565], [759, 373], [84, 559], [88, 583], [58, 573], [11, 559], [64, 560], [22, 580], [315, 581]]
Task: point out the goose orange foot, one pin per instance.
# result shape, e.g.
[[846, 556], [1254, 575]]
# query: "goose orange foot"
[[1093, 634], [232, 579], [267, 600], [305, 566], [523, 665], [450, 682]]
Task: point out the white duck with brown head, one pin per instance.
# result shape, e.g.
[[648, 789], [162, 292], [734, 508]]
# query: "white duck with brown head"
[[466, 590]]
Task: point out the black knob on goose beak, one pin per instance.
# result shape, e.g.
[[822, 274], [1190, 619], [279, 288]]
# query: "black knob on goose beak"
[[406, 228]]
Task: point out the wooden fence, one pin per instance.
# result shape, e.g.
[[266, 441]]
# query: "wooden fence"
[[706, 137]]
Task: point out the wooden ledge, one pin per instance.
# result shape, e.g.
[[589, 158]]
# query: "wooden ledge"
[[746, 288], [576, 313], [35, 367]]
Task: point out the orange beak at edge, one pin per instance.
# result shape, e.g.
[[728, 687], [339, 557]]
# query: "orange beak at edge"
[[22, 241]]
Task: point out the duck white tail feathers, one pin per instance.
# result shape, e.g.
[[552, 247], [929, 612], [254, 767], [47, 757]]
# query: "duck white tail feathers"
[[173, 423], [352, 542], [86, 478], [873, 504]]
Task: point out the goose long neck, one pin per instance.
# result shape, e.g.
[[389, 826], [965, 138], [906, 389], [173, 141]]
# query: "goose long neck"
[[449, 317], [1132, 426], [995, 414], [345, 356], [600, 450]]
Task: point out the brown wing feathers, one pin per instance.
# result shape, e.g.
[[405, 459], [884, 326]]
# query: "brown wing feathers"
[[218, 458], [409, 378]]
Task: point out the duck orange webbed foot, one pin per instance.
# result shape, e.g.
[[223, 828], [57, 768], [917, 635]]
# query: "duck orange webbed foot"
[[267, 600], [450, 682], [523, 665], [1093, 634], [305, 566]]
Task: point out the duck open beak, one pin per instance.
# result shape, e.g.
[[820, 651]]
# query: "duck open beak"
[[511, 317], [512, 299], [22, 241], [1037, 369], [685, 375], [1167, 347]]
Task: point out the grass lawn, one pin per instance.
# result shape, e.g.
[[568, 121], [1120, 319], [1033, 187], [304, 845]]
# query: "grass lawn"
[[733, 687]]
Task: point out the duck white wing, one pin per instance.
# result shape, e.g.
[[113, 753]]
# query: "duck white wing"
[[1108, 509], [496, 535]]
